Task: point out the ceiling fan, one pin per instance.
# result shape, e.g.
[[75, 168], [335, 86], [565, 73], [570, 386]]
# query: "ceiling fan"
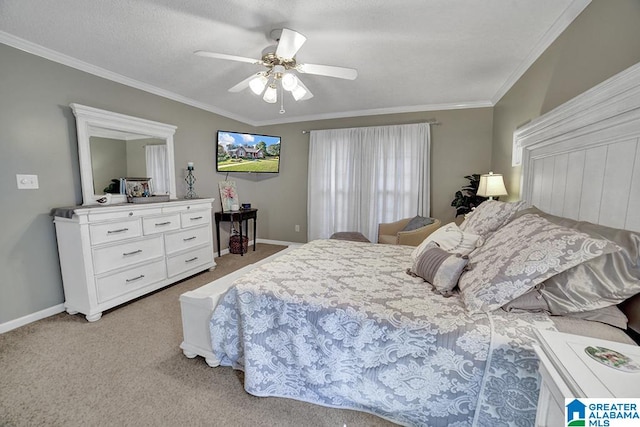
[[281, 69]]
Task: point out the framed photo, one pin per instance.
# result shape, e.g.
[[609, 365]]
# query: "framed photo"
[[138, 187], [228, 196]]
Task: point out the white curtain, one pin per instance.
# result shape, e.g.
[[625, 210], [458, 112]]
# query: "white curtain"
[[360, 177], [157, 169]]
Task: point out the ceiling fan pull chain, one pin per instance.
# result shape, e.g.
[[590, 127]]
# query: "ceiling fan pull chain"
[[281, 99]]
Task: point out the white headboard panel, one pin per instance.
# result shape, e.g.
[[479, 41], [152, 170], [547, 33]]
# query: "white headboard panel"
[[582, 160]]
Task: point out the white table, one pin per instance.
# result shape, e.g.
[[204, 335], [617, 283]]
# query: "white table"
[[568, 371]]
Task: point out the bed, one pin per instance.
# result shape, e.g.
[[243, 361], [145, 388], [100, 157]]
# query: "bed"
[[442, 334]]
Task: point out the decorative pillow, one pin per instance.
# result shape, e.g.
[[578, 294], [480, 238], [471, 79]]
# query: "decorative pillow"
[[417, 222], [601, 282], [611, 315], [451, 239], [489, 216], [520, 255], [439, 267], [531, 301]]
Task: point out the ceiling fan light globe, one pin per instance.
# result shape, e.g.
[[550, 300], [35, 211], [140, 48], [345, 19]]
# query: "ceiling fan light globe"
[[289, 82], [257, 84], [298, 93], [271, 95]]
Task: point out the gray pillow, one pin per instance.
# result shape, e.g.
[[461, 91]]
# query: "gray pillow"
[[439, 267], [611, 315], [520, 255], [531, 301], [600, 282], [417, 222]]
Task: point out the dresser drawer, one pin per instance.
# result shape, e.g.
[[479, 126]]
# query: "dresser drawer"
[[121, 283], [160, 224], [183, 262], [114, 231], [123, 214], [195, 218], [122, 255], [185, 239]]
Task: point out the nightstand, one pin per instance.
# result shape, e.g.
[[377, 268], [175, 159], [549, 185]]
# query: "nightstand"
[[567, 371]]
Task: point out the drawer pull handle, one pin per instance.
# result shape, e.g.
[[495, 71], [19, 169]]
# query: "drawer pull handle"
[[135, 278], [158, 224], [195, 218], [121, 230], [192, 259], [132, 253], [188, 238]]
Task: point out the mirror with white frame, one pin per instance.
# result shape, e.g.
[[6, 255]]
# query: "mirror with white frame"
[[113, 146]]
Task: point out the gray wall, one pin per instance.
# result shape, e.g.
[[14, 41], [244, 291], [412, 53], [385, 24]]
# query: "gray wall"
[[601, 42], [37, 136]]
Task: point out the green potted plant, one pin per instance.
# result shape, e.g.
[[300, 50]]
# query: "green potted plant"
[[466, 199]]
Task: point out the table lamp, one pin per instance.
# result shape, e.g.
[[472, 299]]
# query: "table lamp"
[[491, 184]]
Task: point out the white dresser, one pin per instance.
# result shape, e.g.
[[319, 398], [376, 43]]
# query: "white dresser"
[[112, 254]]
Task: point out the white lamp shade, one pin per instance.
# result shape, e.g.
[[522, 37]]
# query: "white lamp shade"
[[491, 185], [258, 83], [271, 95], [289, 82]]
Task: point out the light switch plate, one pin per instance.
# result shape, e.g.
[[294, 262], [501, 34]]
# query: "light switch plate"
[[27, 182]]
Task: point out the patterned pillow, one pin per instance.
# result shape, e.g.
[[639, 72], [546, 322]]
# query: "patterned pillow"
[[601, 282], [439, 267], [521, 254], [451, 239], [489, 216]]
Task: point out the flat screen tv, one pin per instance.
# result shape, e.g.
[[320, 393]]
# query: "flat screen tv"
[[247, 152]]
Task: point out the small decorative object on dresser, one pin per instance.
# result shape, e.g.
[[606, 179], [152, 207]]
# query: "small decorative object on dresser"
[[190, 179], [573, 366], [112, 254]]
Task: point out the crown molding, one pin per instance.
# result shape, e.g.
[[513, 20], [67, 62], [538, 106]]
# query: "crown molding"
[[561, 24], [377, 112], [60, 58], [69, 61]]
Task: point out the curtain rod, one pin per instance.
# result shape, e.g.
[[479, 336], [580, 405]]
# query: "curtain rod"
[[432, 122]]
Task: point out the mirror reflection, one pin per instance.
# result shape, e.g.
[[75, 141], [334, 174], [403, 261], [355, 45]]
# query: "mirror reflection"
[[139, 157]]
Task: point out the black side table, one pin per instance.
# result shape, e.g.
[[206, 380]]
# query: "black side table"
[[237, 216]]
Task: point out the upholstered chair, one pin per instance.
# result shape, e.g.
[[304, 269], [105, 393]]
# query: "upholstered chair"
[[395, 233]]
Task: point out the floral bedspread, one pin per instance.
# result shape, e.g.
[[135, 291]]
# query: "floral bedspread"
[[341, 324]]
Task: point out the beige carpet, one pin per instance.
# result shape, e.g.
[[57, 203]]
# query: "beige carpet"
[[127, 369]]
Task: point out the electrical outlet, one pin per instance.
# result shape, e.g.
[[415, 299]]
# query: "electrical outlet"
[[297, 228], [27, 182]]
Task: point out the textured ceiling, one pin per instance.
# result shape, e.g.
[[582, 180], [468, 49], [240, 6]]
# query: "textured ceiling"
[[411, 55]]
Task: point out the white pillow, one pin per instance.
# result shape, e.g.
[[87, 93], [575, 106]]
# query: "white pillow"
[[451, 239]]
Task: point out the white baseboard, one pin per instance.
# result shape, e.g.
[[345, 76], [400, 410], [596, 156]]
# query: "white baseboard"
[[29, 318], [279, 242]]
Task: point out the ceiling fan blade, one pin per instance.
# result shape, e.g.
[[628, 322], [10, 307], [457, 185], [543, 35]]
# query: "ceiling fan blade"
[[328, 70], [243, 84], [228, 57], [289, 43]]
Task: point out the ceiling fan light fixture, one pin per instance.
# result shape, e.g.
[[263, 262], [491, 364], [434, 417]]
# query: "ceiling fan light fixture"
[[298, 93], [258, 83], [271, 94], [289, 82]]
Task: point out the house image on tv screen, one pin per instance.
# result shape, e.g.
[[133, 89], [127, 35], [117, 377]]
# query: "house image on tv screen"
[[246, 152]]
